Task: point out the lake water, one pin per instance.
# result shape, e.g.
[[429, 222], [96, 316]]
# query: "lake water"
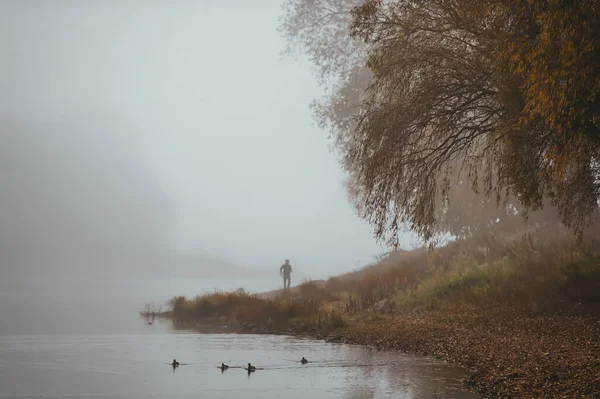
[[64, 346], [135, 366]]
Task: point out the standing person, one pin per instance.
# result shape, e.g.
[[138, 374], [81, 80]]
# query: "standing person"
[[285, 270]]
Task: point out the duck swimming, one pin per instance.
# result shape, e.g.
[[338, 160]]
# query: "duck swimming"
[[251, 368], [303, 361], [224, 366], [175, 363]]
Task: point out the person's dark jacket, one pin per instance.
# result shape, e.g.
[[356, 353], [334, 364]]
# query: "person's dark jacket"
[[286, 269]]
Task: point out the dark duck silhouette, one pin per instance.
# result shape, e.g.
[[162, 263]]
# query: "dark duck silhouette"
[[251, 368], [303, 361], [224, 366]]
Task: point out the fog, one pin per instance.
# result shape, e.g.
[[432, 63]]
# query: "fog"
[[164, 140], [75, 201]]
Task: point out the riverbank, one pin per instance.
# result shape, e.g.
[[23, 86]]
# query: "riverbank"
[[510, 354], [522, 316]]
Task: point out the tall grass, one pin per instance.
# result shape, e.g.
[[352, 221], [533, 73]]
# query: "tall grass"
[[254, 311], [465, 282], [524, 270], [483, 271]]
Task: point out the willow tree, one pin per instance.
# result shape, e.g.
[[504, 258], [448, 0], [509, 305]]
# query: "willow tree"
[[504, 90], [320, 29], [434, 96], [551, 52]]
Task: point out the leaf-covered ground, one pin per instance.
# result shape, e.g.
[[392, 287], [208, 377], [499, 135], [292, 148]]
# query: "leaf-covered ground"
[[510, 354]]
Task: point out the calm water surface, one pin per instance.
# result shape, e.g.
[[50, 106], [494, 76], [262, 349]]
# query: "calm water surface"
[[60, 347], [135, 366]]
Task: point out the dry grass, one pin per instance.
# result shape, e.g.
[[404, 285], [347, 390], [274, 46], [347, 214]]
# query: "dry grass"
[[255, 312], [523, 271], [526, 271]]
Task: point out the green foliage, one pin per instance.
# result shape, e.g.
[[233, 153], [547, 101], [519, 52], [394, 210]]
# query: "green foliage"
[[523, 271], [463, 283]]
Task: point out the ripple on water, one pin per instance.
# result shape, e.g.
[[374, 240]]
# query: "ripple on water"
[[137, 366]]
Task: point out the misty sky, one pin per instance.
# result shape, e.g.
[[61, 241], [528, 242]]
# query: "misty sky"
[[194, 97]]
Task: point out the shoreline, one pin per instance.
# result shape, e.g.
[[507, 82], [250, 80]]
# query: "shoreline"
[[507, 353], [522, 316]]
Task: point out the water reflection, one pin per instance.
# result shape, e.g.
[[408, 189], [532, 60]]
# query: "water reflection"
[[405, 376]]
